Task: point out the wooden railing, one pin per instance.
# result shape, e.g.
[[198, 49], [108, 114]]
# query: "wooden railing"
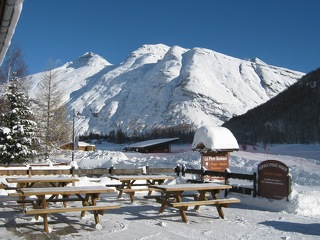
[[35, 170], [179, 171], [202, 173]]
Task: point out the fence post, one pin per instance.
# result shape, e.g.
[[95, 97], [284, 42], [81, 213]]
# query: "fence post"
[[147, 170], [184, 170], [226, 182], [289, 179], [254, 184], [30, 172], [203, 171], [111, 170], [178, 170], [72, 171]]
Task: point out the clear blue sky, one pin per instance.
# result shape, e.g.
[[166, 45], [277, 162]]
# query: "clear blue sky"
[[279, 32]]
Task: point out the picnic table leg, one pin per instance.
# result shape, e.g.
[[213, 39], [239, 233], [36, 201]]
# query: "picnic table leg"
[[202, 196], [22, 198], [85, 203], [218, 206], [43, 204], [164, 202], [154, 182], [182, 210], [131, 194], [123, 185], [96, 217], [183, 214], [94, 198], [65, 196], [45, 222], [21, 185]]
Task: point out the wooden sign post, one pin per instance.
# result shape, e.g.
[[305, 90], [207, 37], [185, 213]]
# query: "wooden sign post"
[[215, 161], [214, 144]]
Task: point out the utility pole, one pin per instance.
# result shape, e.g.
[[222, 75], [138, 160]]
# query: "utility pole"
[[73, 136]]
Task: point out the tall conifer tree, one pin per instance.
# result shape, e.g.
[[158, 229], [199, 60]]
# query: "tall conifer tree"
[[17, 129]]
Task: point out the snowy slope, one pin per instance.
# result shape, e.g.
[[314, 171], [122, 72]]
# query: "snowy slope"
[[252, 219], [158, 85]]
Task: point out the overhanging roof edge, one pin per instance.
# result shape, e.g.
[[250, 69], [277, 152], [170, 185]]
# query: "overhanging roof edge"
[[8, 31]]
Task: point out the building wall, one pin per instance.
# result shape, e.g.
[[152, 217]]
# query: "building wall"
[[87, 148], [164, 148], [69, 146]]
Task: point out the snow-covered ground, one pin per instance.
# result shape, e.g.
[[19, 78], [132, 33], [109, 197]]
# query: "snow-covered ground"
[[253, 218]]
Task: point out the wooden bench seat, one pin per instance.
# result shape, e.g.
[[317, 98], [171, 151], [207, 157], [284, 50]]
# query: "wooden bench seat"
[[219, 203], [97, 209], [64, 200], [192, 195], [222, 202], [10, 188], [23, 201], [33, 201], [126, 190], [119, 185], [95, 180], [15, 194], [132, 191], [152, 196]]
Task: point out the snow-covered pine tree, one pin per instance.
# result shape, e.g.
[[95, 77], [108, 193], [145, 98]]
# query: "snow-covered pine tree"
[[17, 129]]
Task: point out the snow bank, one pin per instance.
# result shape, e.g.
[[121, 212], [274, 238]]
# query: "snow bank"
[[303, 201]]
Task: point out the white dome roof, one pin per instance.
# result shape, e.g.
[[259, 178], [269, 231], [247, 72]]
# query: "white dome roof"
[[214, 139]]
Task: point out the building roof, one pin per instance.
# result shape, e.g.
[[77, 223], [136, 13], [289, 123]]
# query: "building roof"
[[153, 142], [208, 138], [10, 11], [84, 144]]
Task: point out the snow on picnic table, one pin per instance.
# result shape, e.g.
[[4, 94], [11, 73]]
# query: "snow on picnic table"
[[253, 218]]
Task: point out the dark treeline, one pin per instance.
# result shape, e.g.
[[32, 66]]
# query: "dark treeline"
[[293, 116], [185, 133]]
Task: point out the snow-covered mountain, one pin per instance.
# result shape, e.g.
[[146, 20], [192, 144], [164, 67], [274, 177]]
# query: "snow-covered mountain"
[[158, 85]]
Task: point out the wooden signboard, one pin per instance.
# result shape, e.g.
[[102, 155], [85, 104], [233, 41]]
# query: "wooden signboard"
[[215, 162], [273, 179]]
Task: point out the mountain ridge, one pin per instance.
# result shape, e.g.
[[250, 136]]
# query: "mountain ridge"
[[290, 117], [160, 86]]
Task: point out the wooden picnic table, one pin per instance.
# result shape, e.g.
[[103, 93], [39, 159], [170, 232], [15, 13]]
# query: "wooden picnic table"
[[88, 195], [172, 196], [29, 182], [54, 181], [128, 183]]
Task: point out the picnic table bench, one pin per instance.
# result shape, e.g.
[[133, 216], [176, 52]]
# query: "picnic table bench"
[[88, 195], [128, 183], [173, 197]]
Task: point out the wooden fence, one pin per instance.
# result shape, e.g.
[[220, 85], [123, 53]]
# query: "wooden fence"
[[201, 173], [31, 170]]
